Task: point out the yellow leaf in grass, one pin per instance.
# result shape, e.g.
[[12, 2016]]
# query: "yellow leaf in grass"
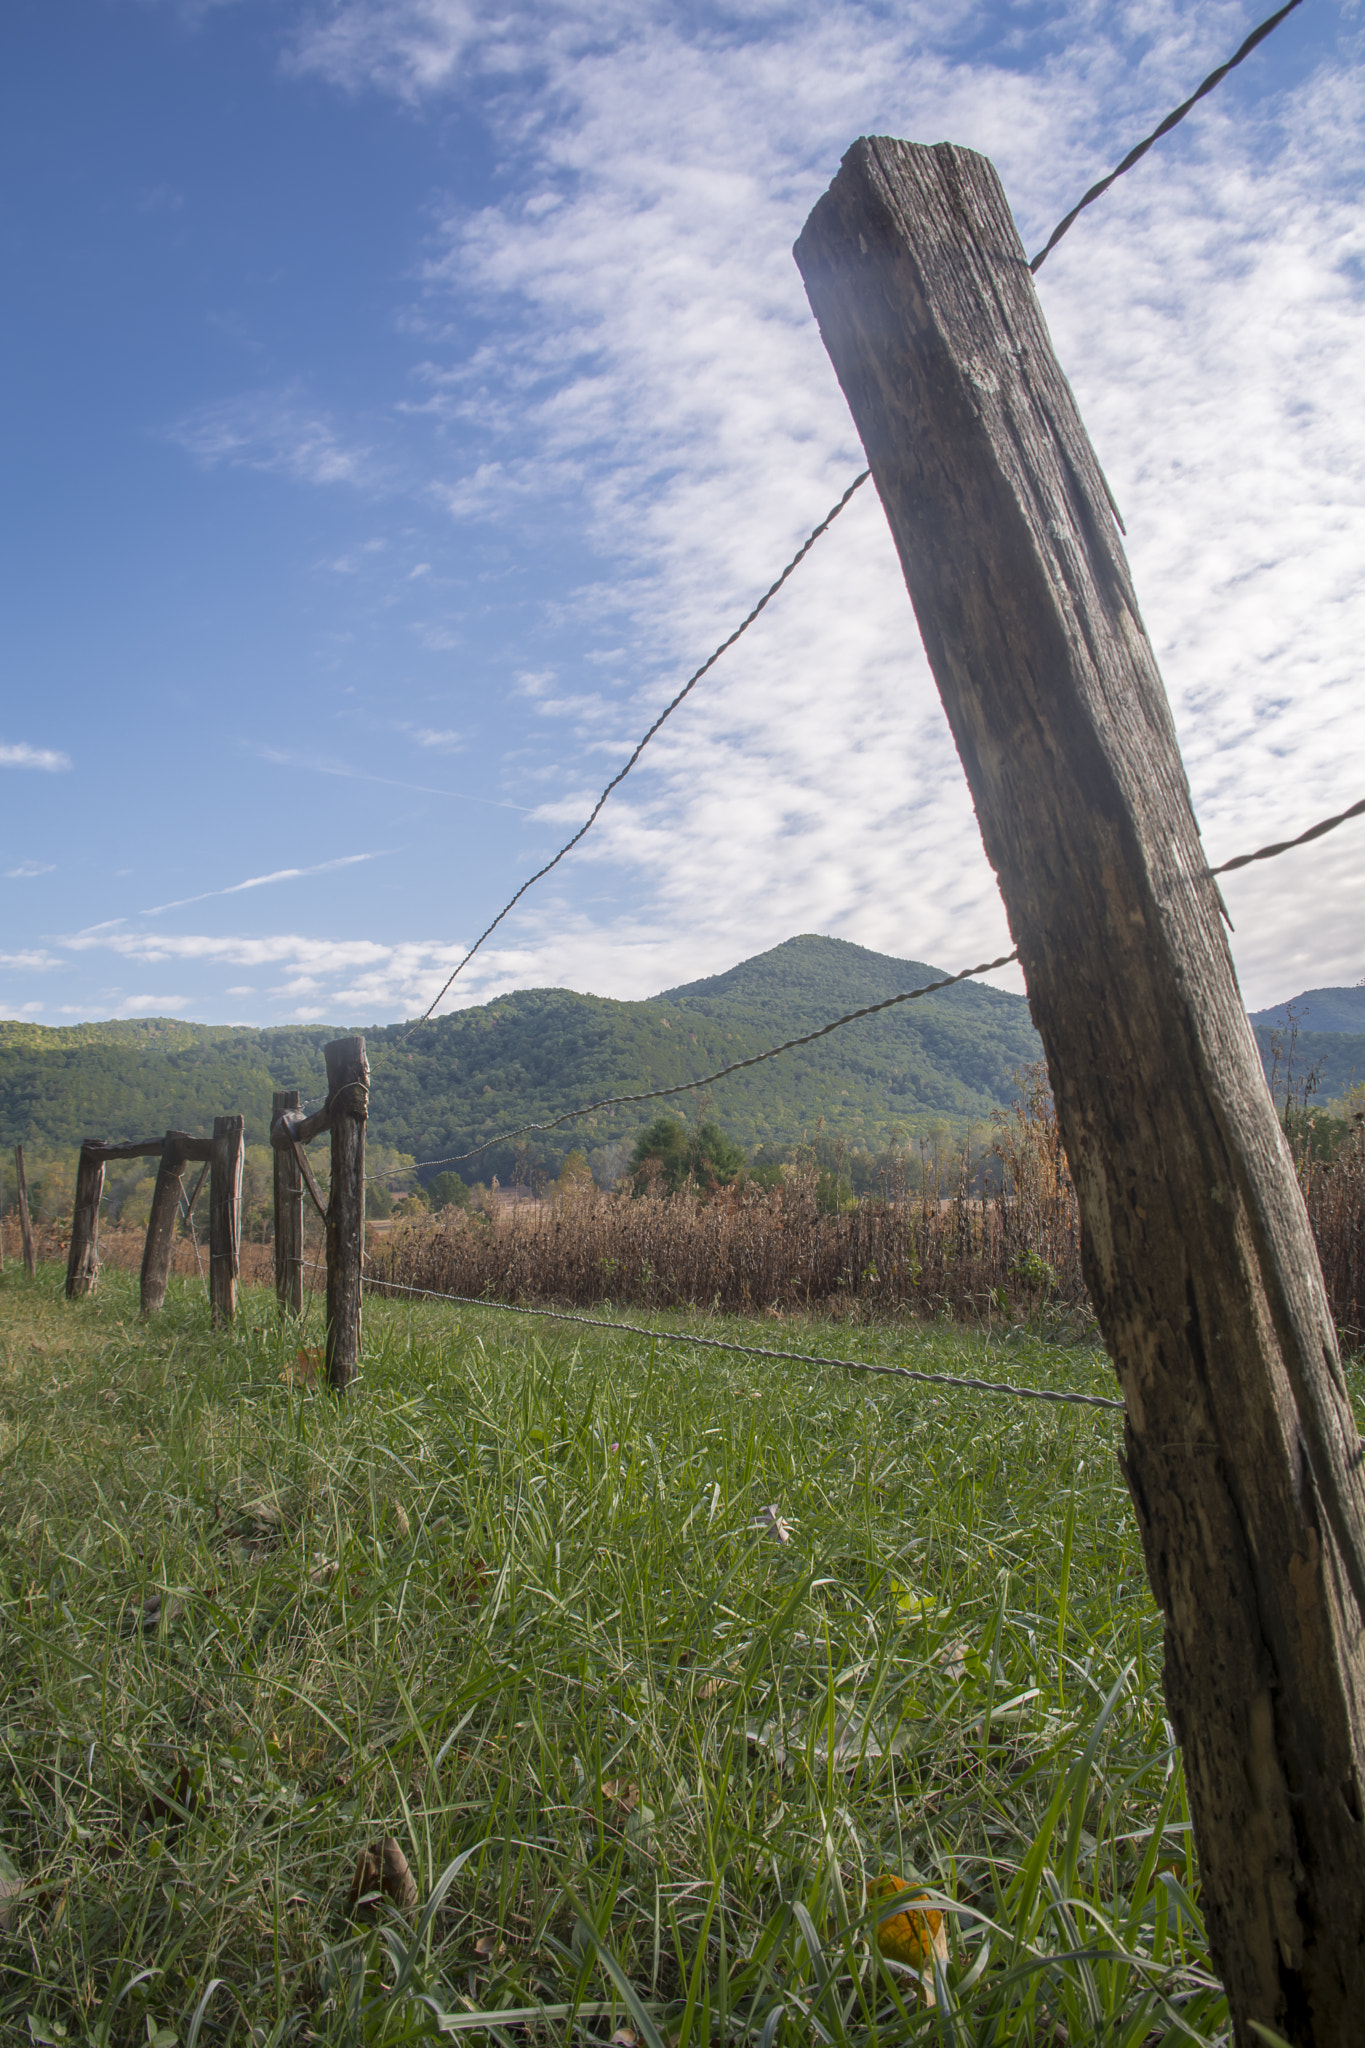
[[916, 1937]]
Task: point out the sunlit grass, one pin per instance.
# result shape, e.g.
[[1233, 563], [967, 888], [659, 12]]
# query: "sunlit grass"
[[518, 1603]]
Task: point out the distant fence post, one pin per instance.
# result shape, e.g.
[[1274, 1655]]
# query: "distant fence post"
[[83, 1259], [1240, 1449], [348, 1094], [288, 1213], [156, 1253], [25, 1225], [225, 1217]]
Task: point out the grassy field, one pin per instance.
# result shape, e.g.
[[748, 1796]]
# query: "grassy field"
[[649, 1659]]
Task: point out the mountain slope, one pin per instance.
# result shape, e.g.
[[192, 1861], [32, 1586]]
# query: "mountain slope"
[[1330, 1039], [530, 1055]]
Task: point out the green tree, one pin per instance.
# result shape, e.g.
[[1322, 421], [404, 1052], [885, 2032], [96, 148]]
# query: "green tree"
[[667, 1155], [448, 1191]]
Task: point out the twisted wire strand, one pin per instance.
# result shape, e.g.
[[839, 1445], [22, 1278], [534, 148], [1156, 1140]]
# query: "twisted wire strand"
[[769, 594], [933, 1379], [1258, 35], [1244, 860]]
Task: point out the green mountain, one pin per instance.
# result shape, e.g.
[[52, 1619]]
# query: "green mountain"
[[528, 1056], [1320, 1032]]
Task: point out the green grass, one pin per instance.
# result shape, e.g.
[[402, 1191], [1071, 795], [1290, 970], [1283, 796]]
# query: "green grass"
[[520, 1574]]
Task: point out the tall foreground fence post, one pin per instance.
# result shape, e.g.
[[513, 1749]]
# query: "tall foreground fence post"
[[25, 1223], [288, 1213], [225, 1217], [1240, 1451], [83, 1258], [348, 1095]]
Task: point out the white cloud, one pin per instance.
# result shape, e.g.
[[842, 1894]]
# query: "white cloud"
[[439, 742], [322, 867], [27, 870], [149, 1006], [19, 754], [656, 368], [277, 432], [36, 960]]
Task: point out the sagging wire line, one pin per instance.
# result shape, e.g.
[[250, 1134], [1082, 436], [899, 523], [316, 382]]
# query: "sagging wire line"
[[681, 1087], [769, 594], [1244, 860], [1214, 78], [933, 1379], [1258, 35], [1226, 867]]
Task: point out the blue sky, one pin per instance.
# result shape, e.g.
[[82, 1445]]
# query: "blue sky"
[[401, 396]]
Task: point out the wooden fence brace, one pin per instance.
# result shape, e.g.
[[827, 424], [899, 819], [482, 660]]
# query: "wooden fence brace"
[[156, 1252], [348, 1090], [83, 1258], [25, 1225], [225, 1218], [288, 1212], [1240, 1451]]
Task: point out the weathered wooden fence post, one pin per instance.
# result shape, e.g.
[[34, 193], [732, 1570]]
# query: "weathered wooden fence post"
[[288, 1212], [225, 1217], [348, 1094], [1240, 1451], [83, 1258], [156, 1252], [25, 1225]]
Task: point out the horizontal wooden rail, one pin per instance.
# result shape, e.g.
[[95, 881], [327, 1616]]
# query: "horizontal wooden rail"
[[151, 1148]]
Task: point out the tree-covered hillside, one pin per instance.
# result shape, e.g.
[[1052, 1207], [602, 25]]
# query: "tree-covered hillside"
[[530, 1055]]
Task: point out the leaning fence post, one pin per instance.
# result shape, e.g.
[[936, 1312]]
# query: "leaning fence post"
[[24, 1224], [225, 1217], [288, 1213], [156, 1252], [1240, 1450], [83, 1259], [348, 1094]]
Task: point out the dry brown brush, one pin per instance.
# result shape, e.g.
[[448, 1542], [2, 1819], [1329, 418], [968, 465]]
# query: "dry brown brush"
[[750, 1252]]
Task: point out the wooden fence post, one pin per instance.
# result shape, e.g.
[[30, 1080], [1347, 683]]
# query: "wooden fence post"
[[156, 1252], [1240, 1450], [348, 1092], [25, 1225], [83, 1259], [288, 1213], [225, 1217]]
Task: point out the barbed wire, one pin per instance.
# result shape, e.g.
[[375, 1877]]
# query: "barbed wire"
[[933, 1379], [1242, 860], [1096, 191], [1134, 156], [769, 594]]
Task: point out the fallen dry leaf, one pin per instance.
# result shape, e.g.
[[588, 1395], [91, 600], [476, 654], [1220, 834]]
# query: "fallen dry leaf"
[[174, 1804], [488, 1947], [471, 1584], [621, 1792], [382, 1872], [917, 1938], [953, 1658], [156, 1609], [11, 1885], [623, 2038], [305, 1368], [771, 1523]]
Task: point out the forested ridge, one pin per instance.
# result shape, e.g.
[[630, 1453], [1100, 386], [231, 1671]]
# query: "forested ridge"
[[526, 1057]]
